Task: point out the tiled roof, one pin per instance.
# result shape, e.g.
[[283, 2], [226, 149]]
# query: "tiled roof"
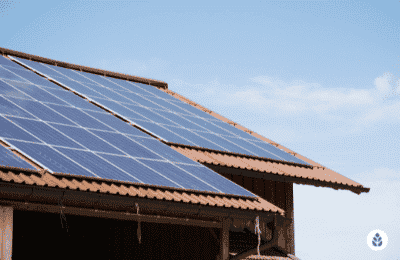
[[98, 185], [266, 166]]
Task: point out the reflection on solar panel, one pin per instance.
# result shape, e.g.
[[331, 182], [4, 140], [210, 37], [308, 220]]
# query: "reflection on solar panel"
[[158, 111], [63, 133], [8, 158]]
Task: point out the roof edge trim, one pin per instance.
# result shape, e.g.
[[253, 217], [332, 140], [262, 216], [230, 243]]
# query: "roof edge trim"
[[152, 82]]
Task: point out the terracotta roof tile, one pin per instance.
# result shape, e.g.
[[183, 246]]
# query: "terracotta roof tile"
[[265, 166], [135, 190]]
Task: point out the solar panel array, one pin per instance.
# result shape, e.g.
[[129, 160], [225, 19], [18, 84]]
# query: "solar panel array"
[[161, 114], [64, 133]]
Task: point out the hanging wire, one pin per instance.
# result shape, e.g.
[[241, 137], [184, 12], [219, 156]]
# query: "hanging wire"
[[258, 231], [139, 231], [62, 216]]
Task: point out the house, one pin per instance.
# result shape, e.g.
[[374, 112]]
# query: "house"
[[98, 164]]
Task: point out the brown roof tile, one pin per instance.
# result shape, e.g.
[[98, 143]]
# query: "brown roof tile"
[[136, 190], [265, 166]]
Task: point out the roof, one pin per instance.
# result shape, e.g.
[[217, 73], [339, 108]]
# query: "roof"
[[81, 183], [290, 257], [316, 174], [293, 173]]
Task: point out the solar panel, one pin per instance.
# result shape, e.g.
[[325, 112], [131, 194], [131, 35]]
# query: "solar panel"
[[7, 90], [8, 158], [156, 111], [70, 139]]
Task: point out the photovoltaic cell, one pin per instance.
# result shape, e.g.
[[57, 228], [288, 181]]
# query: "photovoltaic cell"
[[127, 145], [113, 95], [119, 109], [117, 124], [8, 158], [139, 100], [155, 91], [45, 133], [162, 132], [180, 120], [37, 93], [73, 99], [207, 125], [6, 74], [196, 139], [151, 115], [7, 90], [10, 130], [97, 165], [87, 139], [72, 74], [127, 86], [7, 62], [101, 80], [80, 118], [224, 143], [286, 156], [80, 88], [50, 158], [41, 111], [166, 105], [163, 150], [40, 68], [254, 149], [234, 130], [192, 110], [138, 170], [216, 180], [8, 108], [179, 176]]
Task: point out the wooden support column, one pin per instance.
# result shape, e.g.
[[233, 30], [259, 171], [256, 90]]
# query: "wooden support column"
[[289, 210], [224, 239], [6, 229]]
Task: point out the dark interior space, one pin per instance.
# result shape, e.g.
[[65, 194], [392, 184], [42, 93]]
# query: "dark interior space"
[[41, 235]]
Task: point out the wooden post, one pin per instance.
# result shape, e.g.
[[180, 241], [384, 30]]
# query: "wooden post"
[[224, 239], [290, 215], [6, 228]]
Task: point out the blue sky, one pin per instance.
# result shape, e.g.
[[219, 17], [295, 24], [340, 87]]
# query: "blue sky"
[[319, 77]]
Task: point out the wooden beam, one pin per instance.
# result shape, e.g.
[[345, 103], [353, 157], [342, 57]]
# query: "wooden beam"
[[289, 211], [224, 239], [6, 232], [111, 214]]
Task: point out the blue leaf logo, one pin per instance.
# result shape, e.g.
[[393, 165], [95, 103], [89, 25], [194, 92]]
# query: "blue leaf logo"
[[377, 240]]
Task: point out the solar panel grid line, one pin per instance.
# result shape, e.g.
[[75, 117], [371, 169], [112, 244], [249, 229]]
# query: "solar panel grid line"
[[36, 66], [7, 62]]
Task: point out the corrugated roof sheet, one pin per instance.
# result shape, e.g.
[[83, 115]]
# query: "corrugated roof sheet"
[[73, 182], [264, 166]]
